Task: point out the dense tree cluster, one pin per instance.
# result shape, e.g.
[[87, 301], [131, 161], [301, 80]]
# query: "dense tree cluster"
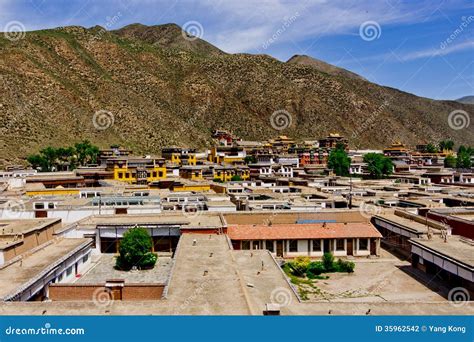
[[55, 159], [378, 165]]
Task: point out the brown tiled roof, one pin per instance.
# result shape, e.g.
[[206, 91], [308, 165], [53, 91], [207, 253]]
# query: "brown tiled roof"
[[303, 231]]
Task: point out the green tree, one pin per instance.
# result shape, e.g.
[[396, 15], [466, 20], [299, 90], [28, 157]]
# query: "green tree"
[[339, 161], [37, 161], [236, 178], [446, 145], [50, 154], [135, 250], [378, 165], [250, 160], [431, 148], [328, 262], [86, 152], [463, 160], [450, 161]]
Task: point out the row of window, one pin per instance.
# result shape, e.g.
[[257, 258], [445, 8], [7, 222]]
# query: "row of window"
[[70, 269], [317, 245], [153, 174], [41, 205]]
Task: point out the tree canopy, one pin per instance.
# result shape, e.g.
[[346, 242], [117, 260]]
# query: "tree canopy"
[[450, 161], [135, 250], [54, 159], [446, 145], [378, 165], [339, 161]]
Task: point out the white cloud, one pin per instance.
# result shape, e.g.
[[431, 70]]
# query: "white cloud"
[[467, 45]]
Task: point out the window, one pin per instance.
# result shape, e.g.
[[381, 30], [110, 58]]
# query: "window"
[[85, 258], [269, 245], [69, 271], [120, 175], [363, 244], [246, 245], [50, 205], [293, 246], [60, 277], [316, 245], [339, 244], [39, 205]]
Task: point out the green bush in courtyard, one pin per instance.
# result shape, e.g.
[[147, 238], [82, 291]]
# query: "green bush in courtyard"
[[301, 264], [315, 269], [344, 266], [135, 250], [328, 262]]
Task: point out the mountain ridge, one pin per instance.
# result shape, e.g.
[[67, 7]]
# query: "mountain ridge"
[[56, 81], [323, 66]]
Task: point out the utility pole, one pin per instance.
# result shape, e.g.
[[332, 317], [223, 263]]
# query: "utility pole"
[[100, 202], [350, 188]]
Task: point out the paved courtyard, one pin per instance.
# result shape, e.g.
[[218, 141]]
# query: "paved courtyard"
[[103, 269], [387, 279]]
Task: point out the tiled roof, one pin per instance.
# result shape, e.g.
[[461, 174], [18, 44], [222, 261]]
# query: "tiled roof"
[[303, 231]]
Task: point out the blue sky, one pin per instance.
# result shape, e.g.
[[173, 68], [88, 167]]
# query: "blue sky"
[[422, 47]]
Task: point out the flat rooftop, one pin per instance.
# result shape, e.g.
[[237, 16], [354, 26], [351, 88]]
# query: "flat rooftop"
[[410, 224], [24, 226], [199, 219], [456, 247], [19, 274]]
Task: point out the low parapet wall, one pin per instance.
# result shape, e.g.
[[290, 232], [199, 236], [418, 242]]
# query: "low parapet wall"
[[101, 293]]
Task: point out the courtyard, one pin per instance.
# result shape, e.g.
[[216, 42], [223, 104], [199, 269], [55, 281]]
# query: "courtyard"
[[103, 269], [388, 279]]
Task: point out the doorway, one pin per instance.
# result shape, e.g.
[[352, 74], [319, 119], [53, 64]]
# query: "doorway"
[[279, 252], [350, 248], [326, 246]]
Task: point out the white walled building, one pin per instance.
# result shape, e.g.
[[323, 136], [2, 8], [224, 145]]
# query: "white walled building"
[[313, 240]]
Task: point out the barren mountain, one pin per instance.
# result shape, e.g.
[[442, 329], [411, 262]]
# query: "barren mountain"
[[323, 66], [466, 99], [157, 87]]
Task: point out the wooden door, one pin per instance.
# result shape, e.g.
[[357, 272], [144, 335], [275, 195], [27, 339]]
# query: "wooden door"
[[279, 248], [350, 248]]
